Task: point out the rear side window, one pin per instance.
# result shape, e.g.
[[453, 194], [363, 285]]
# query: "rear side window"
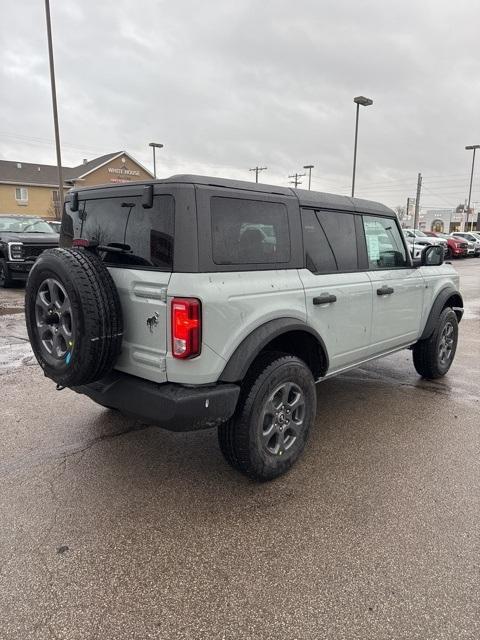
[[249, 232], [127, 234], [150, 232], [339, 229], [385, 248], [319, 256]]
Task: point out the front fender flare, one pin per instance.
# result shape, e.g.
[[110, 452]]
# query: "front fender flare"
[[437, 308]]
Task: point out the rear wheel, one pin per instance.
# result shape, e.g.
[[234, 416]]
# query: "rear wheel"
[[274, 415], [5, 277], [433, 357]]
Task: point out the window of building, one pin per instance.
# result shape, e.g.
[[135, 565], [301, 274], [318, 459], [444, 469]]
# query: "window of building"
[[339, 229], [319, 256], [385, 248], [21, 195], [249, 232]]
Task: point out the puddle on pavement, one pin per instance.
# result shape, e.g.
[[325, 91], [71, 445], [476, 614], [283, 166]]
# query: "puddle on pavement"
[[7, 311]]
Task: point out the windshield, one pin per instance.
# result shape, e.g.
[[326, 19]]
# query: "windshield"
[[420, 234], [24, 225]]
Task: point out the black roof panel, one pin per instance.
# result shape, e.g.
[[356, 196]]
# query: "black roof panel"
[[306, 198]]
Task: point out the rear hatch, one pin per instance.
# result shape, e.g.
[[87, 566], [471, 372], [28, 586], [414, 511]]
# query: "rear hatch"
[[136, 244]]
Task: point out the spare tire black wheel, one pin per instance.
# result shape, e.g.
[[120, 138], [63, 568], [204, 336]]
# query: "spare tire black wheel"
[[73, 315]]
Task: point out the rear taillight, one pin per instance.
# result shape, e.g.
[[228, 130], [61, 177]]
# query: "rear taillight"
[[186, 327], [80, 242]]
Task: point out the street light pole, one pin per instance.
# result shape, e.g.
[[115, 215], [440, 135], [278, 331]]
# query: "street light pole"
[[365, 102], [471, 147], [155, 145], [309, 167], [54, 106]]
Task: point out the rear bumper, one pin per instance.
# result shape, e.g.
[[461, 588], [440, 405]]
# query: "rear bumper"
[[171, 406]]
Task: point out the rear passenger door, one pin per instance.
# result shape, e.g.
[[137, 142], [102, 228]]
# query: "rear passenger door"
[[398, 288], [338, 295]]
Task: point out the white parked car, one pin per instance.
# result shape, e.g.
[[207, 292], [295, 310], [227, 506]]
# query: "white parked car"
[[417, 237]]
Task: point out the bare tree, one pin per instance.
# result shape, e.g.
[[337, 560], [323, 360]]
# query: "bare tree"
[[401, 212]]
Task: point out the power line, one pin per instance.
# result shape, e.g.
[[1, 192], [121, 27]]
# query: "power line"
[[47, 142], [439, 197]]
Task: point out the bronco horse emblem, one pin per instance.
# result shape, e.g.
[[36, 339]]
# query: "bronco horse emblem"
[[152, 321]]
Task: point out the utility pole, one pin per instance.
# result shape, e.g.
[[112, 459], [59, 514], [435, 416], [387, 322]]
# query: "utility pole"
[[309, 167], [417, 201], [257, 171], [54, 105], [296, 179]]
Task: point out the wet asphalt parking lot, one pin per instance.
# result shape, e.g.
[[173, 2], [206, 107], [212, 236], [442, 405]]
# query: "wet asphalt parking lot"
[[114, 529]]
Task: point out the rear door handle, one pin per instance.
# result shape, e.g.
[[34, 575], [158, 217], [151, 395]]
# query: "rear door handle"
[[385, 291], [325, 299]]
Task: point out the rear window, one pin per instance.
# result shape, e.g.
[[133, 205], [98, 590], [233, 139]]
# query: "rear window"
[[127, 234], [249, 232]]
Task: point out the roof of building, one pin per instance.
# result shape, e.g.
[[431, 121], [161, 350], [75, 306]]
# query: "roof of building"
[[306, 198], [30, 173]]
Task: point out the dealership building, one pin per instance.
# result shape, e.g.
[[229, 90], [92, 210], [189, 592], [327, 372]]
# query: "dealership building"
[[443, 220], [32, 189]]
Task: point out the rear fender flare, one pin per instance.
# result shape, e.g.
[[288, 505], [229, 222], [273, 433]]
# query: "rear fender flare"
[[246, 352]]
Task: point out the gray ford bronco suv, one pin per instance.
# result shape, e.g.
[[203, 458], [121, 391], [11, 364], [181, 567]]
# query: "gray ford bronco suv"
[[194, 302]]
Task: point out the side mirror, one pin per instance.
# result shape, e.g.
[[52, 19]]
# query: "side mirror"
[[147, 196], [74, 201], [432, 256]]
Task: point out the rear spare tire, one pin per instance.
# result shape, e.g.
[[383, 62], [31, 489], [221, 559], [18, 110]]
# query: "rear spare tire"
[[73, 316]]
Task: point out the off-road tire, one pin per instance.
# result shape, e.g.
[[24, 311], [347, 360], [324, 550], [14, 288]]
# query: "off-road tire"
[[6, 279], [240, 438], [96, 316], [426, 353]]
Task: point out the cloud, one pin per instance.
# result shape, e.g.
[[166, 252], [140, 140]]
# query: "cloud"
[[226, 85]]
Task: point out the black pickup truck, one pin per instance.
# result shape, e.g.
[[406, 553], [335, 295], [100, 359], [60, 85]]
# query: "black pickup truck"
[[22, 240]]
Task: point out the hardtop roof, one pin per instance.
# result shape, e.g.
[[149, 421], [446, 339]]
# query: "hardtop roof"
[[306, 198]]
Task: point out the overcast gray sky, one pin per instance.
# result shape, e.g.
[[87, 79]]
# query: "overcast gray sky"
[[228, 84]]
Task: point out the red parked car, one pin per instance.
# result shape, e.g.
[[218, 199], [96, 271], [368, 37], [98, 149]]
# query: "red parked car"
[[457, 247]]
